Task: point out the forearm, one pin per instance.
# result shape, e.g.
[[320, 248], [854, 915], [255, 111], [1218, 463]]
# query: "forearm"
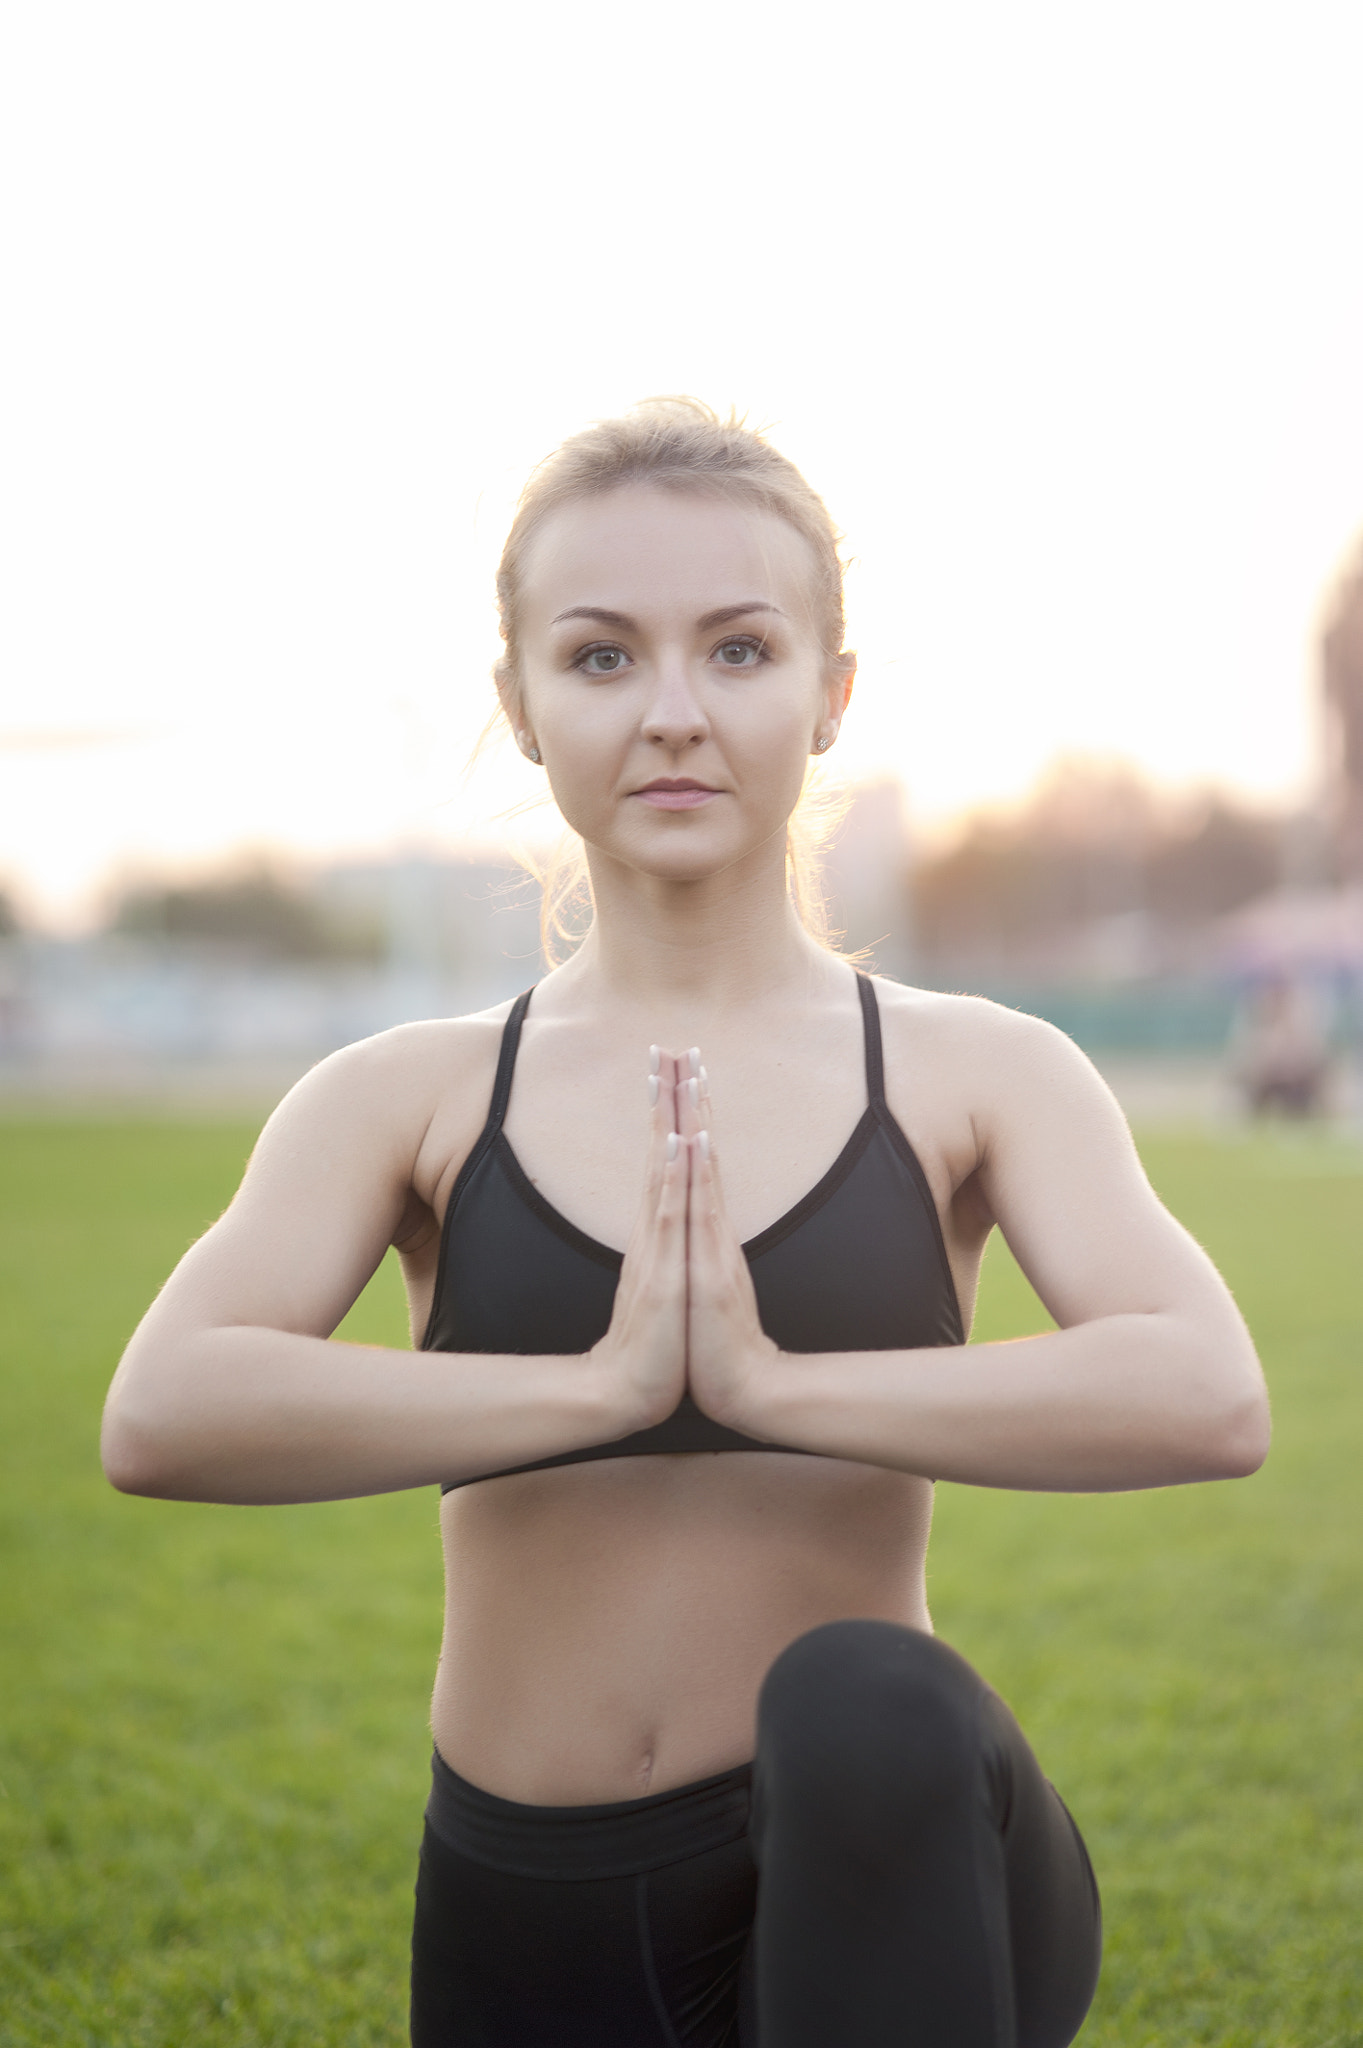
[[240, 1414], [1123, 1401]]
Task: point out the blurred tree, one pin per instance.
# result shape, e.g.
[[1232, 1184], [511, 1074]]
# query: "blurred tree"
[[1218, 861], [1342, 681], [255, 912], [9, 916], [1093, 842]]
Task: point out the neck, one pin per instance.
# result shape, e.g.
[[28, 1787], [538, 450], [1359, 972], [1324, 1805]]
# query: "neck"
[[706, 945]]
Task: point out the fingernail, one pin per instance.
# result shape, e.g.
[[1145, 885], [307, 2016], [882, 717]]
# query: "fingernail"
[[672, 1142], [655, 1059], [693, 1090], [695, 1059], [653, 1091], [703, 1144], [704, 1078]]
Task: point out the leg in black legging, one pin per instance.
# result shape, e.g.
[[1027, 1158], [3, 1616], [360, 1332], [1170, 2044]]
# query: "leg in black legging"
[[920, 1884]]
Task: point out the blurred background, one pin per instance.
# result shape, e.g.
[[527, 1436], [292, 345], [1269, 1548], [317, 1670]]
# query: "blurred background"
[[1061, 310], [1061, 307]]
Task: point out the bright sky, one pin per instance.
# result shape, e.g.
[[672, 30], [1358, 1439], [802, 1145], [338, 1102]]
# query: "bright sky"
[[1061, 306]]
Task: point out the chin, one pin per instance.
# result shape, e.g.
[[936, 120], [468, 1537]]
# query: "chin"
[[688, 867], [692, 853]]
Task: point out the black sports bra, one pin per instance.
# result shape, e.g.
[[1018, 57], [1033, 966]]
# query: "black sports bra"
[[857, 1265]]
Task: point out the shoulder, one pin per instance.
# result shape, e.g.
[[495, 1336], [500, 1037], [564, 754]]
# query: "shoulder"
[[972, 1026], [994, 1064], [387, 1092], [403, 1065]]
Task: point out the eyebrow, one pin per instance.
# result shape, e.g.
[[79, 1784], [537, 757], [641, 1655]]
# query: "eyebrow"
[[721, 617]]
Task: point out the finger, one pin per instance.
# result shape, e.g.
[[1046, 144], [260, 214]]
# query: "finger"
[[699, 1263], [707, 1172], [718, 1263], [661, 1089], [669, 1220], [662, 1068], [714, 1284], [726, 1238], [689, 1118], [661, 1119], [702, 1216], [699, 1081], [664, 1171]]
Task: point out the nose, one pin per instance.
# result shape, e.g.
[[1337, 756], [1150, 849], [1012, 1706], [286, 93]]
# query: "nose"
[[675, 717]]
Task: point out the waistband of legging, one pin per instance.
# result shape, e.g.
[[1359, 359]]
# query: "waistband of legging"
[[622, 1839]]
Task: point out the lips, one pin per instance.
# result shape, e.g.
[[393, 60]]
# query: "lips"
[[676, 793]]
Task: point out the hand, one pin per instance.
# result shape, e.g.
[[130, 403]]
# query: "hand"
[[643, 1353], [726, 1346]]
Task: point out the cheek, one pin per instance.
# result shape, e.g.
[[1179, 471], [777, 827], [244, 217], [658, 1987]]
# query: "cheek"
[[584, 750], [584, 735], [773, 733]]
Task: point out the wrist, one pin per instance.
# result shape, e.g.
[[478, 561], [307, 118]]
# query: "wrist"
[[751, 1397], [619, 1403]]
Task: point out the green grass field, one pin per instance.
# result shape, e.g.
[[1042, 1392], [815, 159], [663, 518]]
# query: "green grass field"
[[212, 1720]]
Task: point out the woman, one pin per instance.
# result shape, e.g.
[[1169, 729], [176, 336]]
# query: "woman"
[[702, 1773]]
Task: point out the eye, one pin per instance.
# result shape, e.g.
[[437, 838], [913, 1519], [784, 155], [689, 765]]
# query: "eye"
[[601, 661], [740, 653]]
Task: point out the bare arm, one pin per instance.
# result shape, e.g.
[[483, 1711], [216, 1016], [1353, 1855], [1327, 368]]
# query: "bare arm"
[[1150, 1380], [232, 1388]]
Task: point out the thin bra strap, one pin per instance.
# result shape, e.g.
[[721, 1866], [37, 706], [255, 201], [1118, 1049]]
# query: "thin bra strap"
[[875, 1060], [506, 1064]]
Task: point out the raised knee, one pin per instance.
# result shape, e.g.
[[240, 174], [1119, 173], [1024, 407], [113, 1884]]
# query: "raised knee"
[[878, 1658], [868, 1690]]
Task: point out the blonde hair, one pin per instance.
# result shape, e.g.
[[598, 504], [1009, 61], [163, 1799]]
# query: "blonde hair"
[[678, 444]]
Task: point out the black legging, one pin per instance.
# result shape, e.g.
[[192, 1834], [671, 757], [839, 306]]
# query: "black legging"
[[893, 1872]]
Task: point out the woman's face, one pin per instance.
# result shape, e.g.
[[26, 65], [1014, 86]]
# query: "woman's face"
[[671, 675]]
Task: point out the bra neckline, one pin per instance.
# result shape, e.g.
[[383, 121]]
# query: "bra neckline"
[[876, 1117], [876, 1112], [814, 1198]]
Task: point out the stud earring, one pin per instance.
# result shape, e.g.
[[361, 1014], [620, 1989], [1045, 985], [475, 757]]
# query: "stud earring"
[[534, 753], [821, 745]]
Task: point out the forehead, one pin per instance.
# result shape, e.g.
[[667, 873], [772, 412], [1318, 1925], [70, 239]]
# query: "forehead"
[[660, 553]]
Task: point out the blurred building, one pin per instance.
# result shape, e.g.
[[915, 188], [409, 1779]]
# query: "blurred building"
[[258, 974], [1141, 923], [1096, 877], [1341, 670]]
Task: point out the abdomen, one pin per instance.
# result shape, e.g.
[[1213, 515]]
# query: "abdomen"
[[608, 1625]]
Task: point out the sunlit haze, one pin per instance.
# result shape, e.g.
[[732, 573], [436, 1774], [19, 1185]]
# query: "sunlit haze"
[[1060, 307]]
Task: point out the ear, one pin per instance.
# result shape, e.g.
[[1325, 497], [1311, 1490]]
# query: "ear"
[[513, 710], [842, 673], [509, 693], [846, 674]]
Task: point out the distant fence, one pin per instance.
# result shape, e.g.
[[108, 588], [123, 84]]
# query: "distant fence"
[[1164, 1017], [1159, 1017]]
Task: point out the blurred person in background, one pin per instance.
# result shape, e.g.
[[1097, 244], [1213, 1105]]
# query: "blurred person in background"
[[1280, 1049], [691, 1233]]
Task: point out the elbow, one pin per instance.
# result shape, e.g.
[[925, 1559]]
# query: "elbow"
[[1237, 1436], [133, 1459], [1247, 1438], [146, 1433], [1219, 1393]]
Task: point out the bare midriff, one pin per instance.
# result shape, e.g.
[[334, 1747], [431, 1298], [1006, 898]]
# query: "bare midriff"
[[608, 1625]]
